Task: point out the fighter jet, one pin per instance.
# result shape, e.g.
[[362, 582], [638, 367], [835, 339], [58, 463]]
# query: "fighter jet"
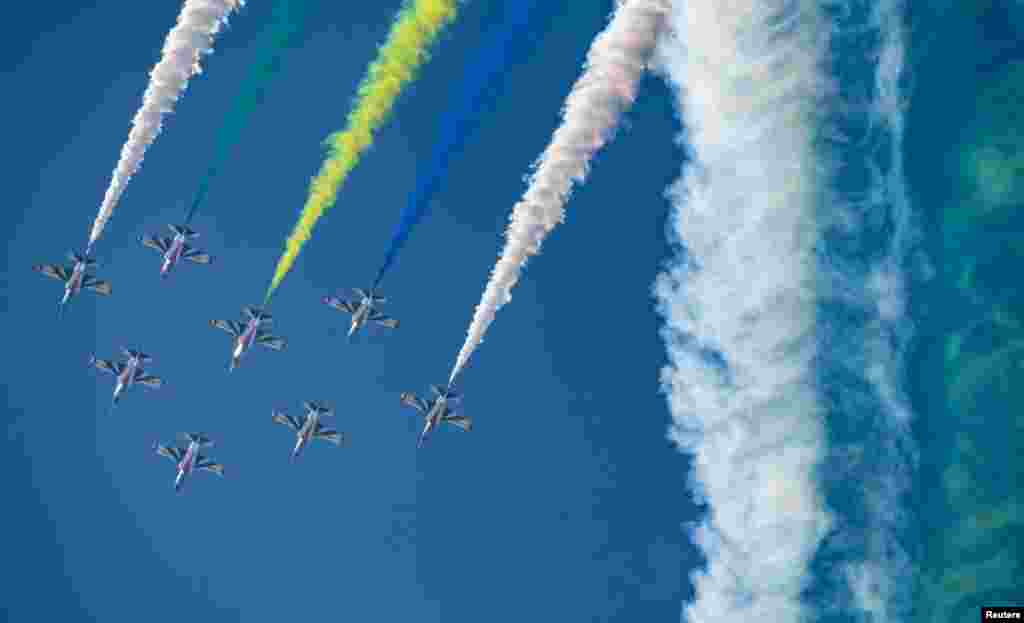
[[174, 249], [188, 458], [308, 427], [362, 309], [440, 409], [247, 333], [128, 373], [74, 277]]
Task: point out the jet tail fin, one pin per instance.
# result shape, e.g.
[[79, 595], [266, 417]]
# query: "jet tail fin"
[[199, 438], [141, 356], [184, 230]]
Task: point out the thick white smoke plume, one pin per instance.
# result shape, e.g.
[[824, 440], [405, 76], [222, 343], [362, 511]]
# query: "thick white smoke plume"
[[191, 37], [786, 308], [741, 309], [607, 87]]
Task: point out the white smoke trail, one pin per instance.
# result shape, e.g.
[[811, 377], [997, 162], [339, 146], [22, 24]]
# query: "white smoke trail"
[[772, 304], [607, 87], [865, 277], [198, 23], [741, 308]]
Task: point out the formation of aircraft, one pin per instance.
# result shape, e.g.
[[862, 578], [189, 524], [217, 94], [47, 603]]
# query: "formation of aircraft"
[[252, 329], [75, 277], [248, 332], [437, 410], [363, 309], [175, 249], [188, 459], [128, 373], [309, 426]]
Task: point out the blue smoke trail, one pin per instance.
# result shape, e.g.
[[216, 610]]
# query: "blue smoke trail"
[[461, 121]]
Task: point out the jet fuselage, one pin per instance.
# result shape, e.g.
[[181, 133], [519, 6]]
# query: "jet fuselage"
[[362, 314], [74, 284], [126, 378], [245, 340], [434, 416], [306, 433], [186, 465], [173, 254]]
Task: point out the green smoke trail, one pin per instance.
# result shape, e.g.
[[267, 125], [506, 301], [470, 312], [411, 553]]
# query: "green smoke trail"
[[287, 21], [976, 497]]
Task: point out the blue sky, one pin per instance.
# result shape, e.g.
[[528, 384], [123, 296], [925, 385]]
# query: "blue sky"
[[566, 500]]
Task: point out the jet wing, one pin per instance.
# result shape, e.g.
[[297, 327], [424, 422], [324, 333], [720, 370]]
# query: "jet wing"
[[411, 400], [169, 452], [53, 271], [288, 420], [208, 465], [270, 341], [156, 243], [231, 326], [331, 435], [97, 285], [153, 382], [107, 365], [384, 321], [340, 304], [462, 421], [197, 256]]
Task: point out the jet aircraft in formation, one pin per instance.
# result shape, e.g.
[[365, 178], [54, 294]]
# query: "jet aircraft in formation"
[[438, 410], [309, 426], [176, 248], [75, 277], [128, 373], [363, 309], [189, 459], [249, 332]]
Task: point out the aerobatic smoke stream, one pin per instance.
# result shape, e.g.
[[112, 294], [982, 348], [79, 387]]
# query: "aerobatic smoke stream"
[[607, 87], [460, 122], [188, 41], [740, 307], [289, 17], [417, 26], [770, 316]]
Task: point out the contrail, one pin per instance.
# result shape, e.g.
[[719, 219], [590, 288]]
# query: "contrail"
[[459, 122], [417, 26], [616, 61], [288, 20], [780, 322], [188, 41]]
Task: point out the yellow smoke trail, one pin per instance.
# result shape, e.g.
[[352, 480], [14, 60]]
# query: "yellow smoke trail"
[[415, 29]]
